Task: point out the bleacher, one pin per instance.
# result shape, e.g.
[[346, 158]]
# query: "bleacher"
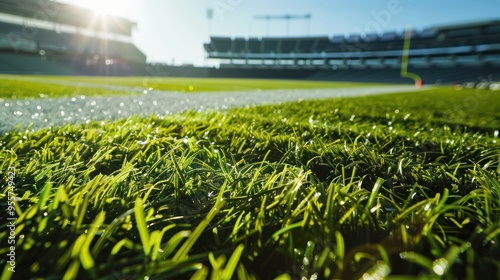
[[455, 47], [65, 45]]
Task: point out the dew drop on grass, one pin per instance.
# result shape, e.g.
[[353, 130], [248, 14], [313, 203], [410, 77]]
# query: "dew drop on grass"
[[427, 207], [439, 266], [374, 209], [496, 133]]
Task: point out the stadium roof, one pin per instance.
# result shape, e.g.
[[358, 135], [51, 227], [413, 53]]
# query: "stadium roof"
[[66, 14]]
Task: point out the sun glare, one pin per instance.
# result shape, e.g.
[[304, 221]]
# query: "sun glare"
[[107, 7]]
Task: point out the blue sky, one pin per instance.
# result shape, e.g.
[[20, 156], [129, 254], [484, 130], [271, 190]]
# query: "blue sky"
[[175, 30]]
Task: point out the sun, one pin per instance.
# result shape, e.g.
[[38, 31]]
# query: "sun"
[[107, 7]]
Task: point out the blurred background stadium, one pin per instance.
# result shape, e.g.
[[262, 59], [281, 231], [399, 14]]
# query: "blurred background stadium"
[[56, 38]]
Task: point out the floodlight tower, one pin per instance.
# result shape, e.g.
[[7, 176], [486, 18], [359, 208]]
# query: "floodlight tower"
[[286, 17]]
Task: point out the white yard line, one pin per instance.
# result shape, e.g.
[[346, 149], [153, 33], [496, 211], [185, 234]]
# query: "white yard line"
[[60, 111]]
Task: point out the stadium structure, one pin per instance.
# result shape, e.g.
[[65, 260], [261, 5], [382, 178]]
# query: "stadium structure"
[[48, 37], [439, 54]]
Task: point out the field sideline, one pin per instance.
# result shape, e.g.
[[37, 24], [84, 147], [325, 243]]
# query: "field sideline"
[[387, 186]]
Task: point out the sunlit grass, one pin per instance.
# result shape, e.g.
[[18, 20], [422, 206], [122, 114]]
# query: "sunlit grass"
[[13, 88], [215, 84], [372, 187], [27, 85]]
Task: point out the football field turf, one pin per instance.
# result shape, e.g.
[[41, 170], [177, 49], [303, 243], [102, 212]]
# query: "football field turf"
[[396, 185]]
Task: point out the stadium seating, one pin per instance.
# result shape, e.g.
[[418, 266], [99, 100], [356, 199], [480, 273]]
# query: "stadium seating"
[[447, 51], [270, 45], [471, 44], [70, 43], [223, 45], [254, 45], [240, 44], [288, 45], [75, 47]]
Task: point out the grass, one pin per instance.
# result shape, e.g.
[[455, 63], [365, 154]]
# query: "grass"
[[33, 86], [216, 84], [19, 88], [393, 186]]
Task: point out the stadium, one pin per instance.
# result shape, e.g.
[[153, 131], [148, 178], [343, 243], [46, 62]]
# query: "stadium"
[[361, 155], [64, 46], [443, 54]]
